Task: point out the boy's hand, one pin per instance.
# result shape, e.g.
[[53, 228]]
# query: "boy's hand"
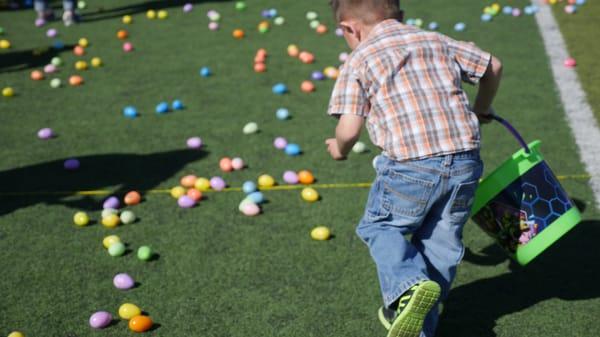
[[334, 149], [487, 117]]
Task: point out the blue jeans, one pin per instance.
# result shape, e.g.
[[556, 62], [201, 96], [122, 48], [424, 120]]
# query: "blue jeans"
[[429, 199], [42, 5]]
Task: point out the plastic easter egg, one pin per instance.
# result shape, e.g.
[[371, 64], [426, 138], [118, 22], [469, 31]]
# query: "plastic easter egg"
[[8, 92], [213, 25], [213, 15], [279, 21], [111, 221], [81, 219], [123, 281], [486, 17], [243, 204], [194, 142], [83, 42], [71, 164], [162, 108], [240, 5], [237, 163], [306, 57], [79, 50], [280, 143], [306, 177], [250, 209], [290, 177], [311, 15], [331, 72], [81, 4], [282, 114], [250, 128], [188, 181], [186, 202], [100, 319], [4, 44], [140, 323], [249, 187], [130, 112], [55, 83], [122, 34], [109, 240], [162, 14], [293, 50], [116, 249], [111, 202], [359, 147], [279, 89], [570, 9], [151, 14], [266, 180], [144, 253], [127, 19], [217, 183], [260, 67], [321, 29], [256, 197], [187, 7], [202, 184], [58, 45], [81, 65], [194, 194], [320, 233], [177, 191], [433, 25], [51, 32], [96, 62], [45, 133], [317, 76], [127, 47], [75, 80], [56, 61], [310, 194], [205, 72], [292, 150], [307, 86], [127, 217], [314, 24], [238, 34], [225, 164], [16, 334], [570, 62], [129, 310], [37, 75], [108, 211], [177, 105], [516, 12]]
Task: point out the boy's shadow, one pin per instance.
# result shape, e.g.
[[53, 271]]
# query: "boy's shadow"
[[119, 173], [30, 58], [567, 270]]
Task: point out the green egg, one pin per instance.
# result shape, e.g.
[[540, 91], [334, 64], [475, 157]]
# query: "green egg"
[[144, 253], [127, 217], [116, 249]]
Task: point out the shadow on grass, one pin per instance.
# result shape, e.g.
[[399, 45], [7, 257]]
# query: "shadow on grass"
[[119, 173], [30, 58], [567, 270]]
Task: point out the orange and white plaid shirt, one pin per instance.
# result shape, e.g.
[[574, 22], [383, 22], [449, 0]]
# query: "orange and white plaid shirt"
[[406, 82]]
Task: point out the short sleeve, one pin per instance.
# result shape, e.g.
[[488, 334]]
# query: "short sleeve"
[[473, 62], [348, 96]]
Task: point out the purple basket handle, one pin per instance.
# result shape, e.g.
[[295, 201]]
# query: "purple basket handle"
[[514, 132]]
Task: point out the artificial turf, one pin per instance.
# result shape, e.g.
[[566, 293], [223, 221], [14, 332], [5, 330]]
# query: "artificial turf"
[[219, 273]]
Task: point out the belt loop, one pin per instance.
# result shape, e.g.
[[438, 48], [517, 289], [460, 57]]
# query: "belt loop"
[[447, 160]]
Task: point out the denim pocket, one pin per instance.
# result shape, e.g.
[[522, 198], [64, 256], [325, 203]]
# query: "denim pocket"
[[461, 200], [406, 195]]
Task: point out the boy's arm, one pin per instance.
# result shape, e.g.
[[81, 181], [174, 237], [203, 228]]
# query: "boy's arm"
[[347, 133], [488, 86]]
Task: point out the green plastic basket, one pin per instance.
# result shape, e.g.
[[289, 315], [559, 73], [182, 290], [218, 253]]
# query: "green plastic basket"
[[522, 204]]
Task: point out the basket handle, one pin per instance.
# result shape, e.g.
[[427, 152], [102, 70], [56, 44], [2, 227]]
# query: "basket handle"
[[513, 131]]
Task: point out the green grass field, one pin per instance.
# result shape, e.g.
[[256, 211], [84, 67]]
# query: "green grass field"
[[218, 272]]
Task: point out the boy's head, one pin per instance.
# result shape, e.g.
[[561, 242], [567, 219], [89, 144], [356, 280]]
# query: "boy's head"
[[356, 17]]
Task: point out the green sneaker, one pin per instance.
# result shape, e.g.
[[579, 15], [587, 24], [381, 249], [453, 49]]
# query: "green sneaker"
[[413, 306]]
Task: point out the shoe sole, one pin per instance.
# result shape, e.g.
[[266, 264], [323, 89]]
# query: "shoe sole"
[[410, 321]]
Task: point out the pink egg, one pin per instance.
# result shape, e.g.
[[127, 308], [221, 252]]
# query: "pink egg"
[[194, 142], [280, 143], [111, 202], [188, 7], [123, 281], [71, 164], [290, 177], [100, 319], [40, 22], [343, 57], [516, 12], [186, 201], [217, 183], [570, 62], [213, 25], [51, 32], [49, 68], [127, 47], [45, 133], [250, 209], [237, 163]]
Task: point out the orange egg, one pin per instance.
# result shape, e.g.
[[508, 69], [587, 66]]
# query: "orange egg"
[[306, 57], [293, 50], [75, 80], [37, 75], [306, 177], [321, 29], [307, 86], [194, 194], [122, 34], [260, 58], [132, 198], [262, 52], [188, 181], [79, 50], [225, 164], [260, 67], [140, 323], [238, 34]]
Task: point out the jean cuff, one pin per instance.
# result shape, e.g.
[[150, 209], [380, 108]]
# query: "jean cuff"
[[391, 297]]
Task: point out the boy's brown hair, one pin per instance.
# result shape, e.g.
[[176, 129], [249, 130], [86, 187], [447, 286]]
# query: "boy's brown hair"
[[368, 11]]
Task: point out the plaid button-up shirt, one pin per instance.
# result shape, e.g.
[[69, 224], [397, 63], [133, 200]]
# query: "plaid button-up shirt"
[[406, 82]]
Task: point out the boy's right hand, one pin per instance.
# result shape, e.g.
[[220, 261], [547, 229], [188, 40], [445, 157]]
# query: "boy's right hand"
[[487, 117]]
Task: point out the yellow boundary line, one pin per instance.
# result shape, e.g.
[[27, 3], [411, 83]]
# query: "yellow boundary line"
[[238, 189]]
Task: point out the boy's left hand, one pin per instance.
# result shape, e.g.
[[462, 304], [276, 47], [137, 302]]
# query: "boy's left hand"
[[334, 149]]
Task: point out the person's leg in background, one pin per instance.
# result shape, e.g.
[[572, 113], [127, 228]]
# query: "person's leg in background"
[[44, 13], [69, 12]]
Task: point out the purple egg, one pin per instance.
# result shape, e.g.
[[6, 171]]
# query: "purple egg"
[[111, 202], [290, 177], [317, 76], [188, 7], [213, 26], [339, 32], [50, 68], [100, 319], [71, 164], [194, 142], [211, 13], [217, 183], [51, 32], [186, 202], [266, 13], [40, 22], [45, 133], [280, 143], [123, 281]]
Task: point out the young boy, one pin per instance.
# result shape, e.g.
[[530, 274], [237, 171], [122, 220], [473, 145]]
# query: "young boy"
[[406, 84], [44, 12]]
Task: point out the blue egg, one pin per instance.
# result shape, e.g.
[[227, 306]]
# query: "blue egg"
[[410, 22], [130, 112], [282, 114], [579, 2], [507, 10], [205, 72], [292, 149], [528, 10], [486, 17], [280, 89], [256, 197], [162, 107], [177, 105], [249, 187], [433, 26], [272, 12], [459, 27], [58, 45]]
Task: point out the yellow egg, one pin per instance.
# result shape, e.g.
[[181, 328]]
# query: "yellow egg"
[[202, 184], [111, 221], [4, 44], [16, 334], [127, 19], [81, 219], [109, 240], [320, 233], [177, 192], [150, 14], [83, 42], [266, 181], [96, 62], [8, 92], [162, 14], [310, 194], [81, 65], [128, 310]]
